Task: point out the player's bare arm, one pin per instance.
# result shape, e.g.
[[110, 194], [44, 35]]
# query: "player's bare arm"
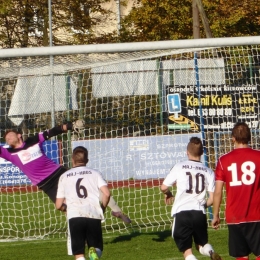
[[168, 197], [59, 203], [209, 201], [217, 198], [105, 198]]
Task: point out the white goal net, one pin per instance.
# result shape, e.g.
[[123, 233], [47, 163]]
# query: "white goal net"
[[141, 104]]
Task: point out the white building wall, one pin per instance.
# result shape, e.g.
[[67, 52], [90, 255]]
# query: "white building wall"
[[112, 22]]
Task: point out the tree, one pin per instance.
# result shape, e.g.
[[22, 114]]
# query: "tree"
[[153, 20], [25, 23], [233, 18], [80, 18], [158, 20], [203, 16]]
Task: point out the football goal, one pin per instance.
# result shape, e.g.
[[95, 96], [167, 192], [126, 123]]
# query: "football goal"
[[141, 103]]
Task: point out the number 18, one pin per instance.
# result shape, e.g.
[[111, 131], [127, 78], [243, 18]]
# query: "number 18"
[[248, 176]]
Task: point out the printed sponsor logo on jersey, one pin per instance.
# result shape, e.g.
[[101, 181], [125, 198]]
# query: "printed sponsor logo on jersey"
[[31, 154], [25, 155], [200, 168], [186, 166], [70, 174], [197, 168]]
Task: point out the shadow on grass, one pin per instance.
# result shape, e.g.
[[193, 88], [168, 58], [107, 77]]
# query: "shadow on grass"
[[160, 236]]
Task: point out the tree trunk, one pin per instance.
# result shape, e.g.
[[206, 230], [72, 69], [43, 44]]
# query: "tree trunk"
[[204, 19], [196, 20]]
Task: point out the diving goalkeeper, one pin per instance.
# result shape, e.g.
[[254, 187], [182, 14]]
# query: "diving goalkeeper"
[[29, 156]]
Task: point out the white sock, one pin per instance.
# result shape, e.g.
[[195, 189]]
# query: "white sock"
[[81, 258], [190, 257], [99, 252], [204, 250]]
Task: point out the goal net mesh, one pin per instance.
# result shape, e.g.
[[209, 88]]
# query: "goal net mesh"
[[140, 110]]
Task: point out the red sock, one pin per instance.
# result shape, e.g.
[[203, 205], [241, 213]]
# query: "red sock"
[[257, 258], [243, 258]]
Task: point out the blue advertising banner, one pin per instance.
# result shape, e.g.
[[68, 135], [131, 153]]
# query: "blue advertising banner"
[[10, 175], [136, 157]]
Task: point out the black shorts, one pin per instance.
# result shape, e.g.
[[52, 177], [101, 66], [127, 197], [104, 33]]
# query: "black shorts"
[[85, 230], [50, 184], [244, 239], [189, 225]]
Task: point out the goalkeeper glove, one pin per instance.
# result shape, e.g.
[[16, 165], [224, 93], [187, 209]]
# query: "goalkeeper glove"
[[78, 126]]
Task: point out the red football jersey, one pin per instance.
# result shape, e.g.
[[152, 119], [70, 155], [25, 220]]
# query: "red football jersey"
[[240, 170]]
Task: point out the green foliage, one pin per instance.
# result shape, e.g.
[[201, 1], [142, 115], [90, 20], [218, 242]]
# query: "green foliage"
[[172, 19], [80, 17], [158, 20], [233, 18], [25, 24]]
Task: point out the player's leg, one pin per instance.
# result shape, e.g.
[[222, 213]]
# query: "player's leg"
[[201, 235], [78, 229], [94, 253], [188, 255], [94, 238], [116, 210], [182, 234], [50, 185]]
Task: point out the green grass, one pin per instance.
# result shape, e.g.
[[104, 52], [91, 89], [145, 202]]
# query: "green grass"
[[38, 231], [146, 245]]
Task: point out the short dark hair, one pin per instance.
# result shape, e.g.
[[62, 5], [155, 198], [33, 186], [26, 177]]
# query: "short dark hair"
[[241, 133], [195, 146], [80, 155]]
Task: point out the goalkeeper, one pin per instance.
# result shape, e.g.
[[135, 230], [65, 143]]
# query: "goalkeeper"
[[29, 156]]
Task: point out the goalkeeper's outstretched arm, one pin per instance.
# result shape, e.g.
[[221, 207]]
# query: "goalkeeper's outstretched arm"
[[77, 126]]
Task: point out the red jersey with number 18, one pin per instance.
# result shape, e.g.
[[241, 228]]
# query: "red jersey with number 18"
[[240, 170]]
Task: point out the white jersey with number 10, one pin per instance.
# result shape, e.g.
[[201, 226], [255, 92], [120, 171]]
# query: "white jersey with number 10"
[[193, 181]]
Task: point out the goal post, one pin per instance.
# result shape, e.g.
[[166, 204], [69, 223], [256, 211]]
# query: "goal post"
[[141, 103]]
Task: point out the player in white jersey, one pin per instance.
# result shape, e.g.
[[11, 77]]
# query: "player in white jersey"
[[193, 180], [80, 187]]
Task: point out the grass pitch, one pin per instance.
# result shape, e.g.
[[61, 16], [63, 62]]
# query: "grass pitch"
[[148, 237], [146, 245]]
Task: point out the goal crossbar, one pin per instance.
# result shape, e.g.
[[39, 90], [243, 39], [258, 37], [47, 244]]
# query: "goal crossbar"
[[129, 47]]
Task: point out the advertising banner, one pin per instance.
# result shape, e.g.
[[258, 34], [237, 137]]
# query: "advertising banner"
[[10, 175], [219, 107], [136, 157]]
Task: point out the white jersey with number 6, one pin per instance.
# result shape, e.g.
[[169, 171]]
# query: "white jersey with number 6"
[[193, 180], [80, 187]]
